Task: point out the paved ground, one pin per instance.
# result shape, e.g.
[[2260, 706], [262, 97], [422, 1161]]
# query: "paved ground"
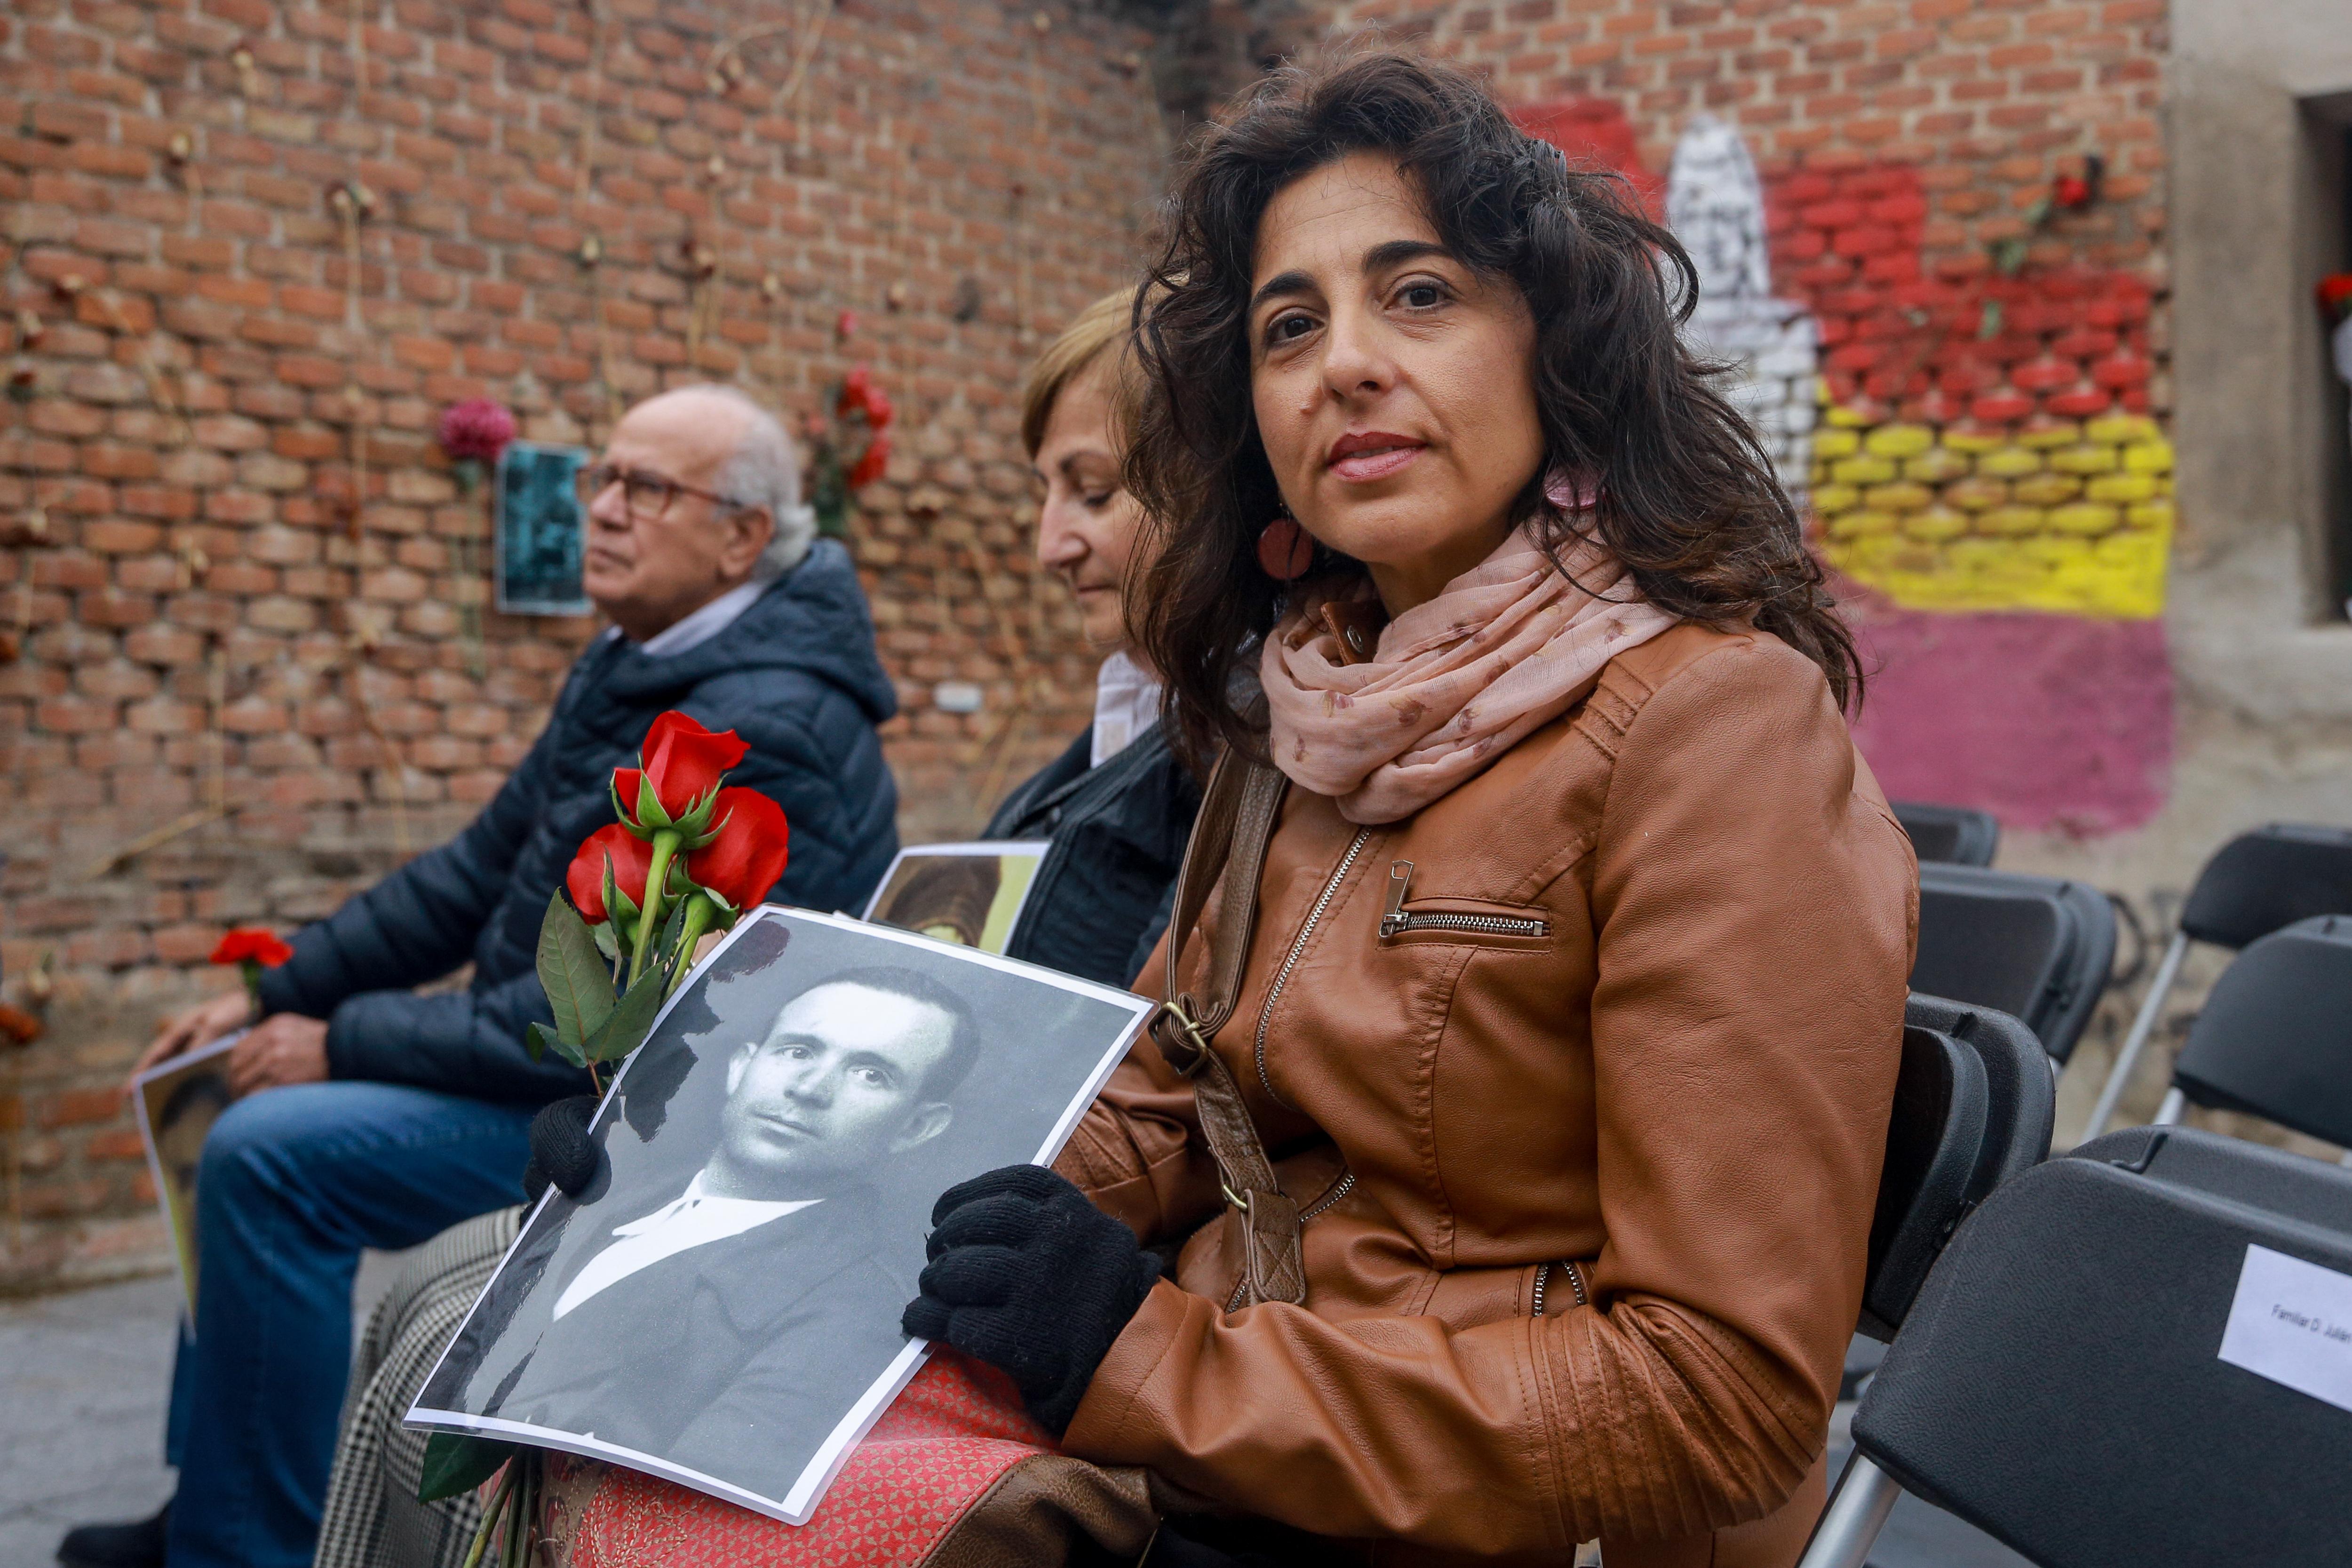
[[83, 1381]]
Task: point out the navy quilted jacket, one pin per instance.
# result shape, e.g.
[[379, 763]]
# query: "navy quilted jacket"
[[796, 676]]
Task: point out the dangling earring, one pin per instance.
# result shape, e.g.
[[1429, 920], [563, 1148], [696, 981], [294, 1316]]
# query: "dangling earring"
[[1570, 493], [1284, 551]]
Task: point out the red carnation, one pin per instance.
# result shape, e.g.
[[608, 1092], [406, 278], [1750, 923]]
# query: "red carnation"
[[252, 944], [630, 857], [854, 388], [2335, 296], [476, 430], [749, 854], [684, 761]]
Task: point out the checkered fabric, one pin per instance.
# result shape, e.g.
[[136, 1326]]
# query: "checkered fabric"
[[373, 1518]]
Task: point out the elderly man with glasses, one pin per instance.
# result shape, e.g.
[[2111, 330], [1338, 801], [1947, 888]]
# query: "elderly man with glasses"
[[370, 1115]]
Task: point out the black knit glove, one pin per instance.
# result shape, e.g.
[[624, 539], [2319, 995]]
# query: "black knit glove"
[[1027, 1275], [561, 1150]]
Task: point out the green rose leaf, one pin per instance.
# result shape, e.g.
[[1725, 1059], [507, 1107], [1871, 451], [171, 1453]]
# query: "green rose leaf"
[[457, 1462], [539, 1039], [630, 1022], [577, 978]]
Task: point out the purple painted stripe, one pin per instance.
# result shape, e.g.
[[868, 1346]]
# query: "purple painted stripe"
[[2047, 721]]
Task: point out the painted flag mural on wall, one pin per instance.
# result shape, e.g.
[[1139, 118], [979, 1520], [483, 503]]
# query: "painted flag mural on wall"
[[1976, 457]]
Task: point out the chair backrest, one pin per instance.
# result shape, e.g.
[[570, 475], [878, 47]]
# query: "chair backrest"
[[2019, 1074], [2033, 947], [1972, 1106], [2275, 1037], [1955, 835], [1933, 1143], [2266, 880], [2061, 1383]]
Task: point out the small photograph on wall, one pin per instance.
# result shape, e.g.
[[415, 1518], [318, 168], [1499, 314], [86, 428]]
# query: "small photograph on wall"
[[178, 1101], [969, 894], [541, 530], [720, 1305]]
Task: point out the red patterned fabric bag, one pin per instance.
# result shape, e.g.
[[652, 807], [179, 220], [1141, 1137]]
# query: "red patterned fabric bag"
[[954, 1475]]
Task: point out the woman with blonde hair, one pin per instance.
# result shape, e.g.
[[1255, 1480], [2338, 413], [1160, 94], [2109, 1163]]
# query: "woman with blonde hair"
[[1117, 806], [1498, 1172]]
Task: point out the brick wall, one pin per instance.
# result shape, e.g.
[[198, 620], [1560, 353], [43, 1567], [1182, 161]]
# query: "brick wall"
[[199, 595], [1997, 362], [202, 619], [1982, 96]]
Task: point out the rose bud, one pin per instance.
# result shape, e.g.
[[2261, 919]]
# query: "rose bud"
[[630, 856], [746, 856], [683, 761]]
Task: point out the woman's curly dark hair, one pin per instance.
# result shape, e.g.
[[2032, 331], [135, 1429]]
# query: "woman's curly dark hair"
[[1686, 496]]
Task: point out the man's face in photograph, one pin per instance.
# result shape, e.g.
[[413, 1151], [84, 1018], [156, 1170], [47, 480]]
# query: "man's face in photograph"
[[838, 1085]]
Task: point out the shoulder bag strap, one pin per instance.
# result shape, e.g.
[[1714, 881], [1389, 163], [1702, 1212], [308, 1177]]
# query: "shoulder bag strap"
[[1238, 813]]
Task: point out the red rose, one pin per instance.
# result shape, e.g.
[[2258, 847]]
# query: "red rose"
[[630, 856], [2073, 192], [684, 761], [869, 466], [252, 944], [743, 862]]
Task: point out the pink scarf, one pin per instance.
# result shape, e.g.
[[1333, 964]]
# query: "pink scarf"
[[1455, 683]]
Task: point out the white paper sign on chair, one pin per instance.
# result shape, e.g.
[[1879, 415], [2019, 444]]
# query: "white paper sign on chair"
[[2291, 1321]]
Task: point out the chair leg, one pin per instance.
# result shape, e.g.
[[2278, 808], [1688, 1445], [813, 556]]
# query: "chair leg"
[[2136, 1041], [1857, 1511], [2169, 1114]]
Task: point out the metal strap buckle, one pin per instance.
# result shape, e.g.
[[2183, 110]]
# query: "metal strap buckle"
[[1186, 1038]]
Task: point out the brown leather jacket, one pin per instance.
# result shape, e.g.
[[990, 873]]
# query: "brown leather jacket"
[[1590, 1173]]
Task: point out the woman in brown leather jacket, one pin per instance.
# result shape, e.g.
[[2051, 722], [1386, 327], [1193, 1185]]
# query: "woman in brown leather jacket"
[[1510, 1139]]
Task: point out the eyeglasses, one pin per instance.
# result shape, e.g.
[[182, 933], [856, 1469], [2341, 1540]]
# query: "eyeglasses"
[[647, 495]]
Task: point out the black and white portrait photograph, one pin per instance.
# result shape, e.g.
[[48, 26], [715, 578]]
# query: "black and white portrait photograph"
[[971, 894], [721, 1304], [177, 1104]]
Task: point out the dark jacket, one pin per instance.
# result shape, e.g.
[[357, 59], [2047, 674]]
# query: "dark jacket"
[[796, 676], [736, 1358], [1102, 893]]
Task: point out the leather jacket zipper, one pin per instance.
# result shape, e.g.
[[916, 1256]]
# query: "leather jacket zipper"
[[1543, 1277], [1399, 920], [1340, 1189], [1290, 961]]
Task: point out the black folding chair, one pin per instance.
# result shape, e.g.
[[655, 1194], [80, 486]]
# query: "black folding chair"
[[1953, 835], [2061, 1383], [2275, 1039], [2259, 882], [1973, 1105], [2033, 947]]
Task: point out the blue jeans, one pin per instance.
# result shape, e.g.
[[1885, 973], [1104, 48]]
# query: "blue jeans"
[[294, 1183]]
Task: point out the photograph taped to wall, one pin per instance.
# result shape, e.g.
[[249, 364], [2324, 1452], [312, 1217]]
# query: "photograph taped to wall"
[[969, 894], [720, 1305], [541, 531], [178, 1101]]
